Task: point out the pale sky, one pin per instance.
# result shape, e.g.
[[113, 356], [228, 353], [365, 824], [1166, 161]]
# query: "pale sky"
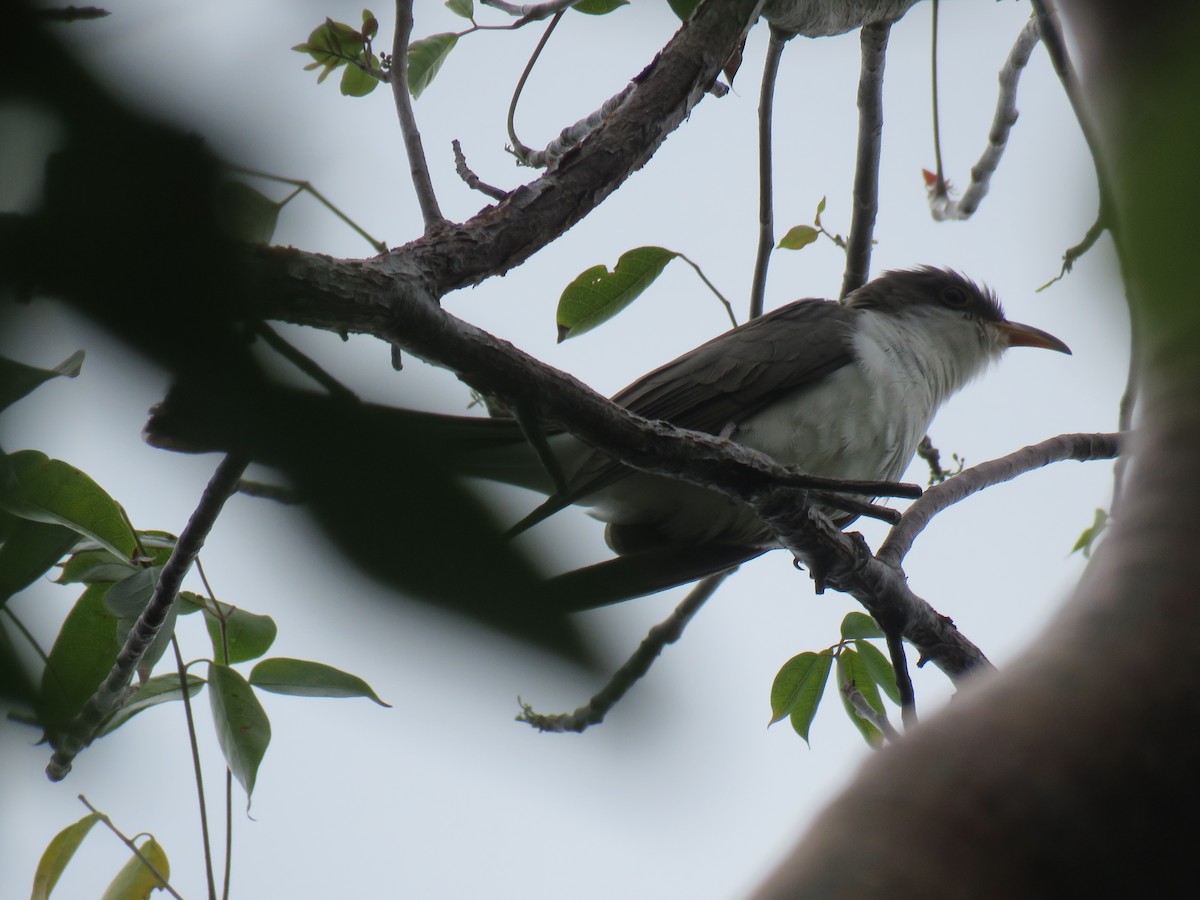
[[683, 792]]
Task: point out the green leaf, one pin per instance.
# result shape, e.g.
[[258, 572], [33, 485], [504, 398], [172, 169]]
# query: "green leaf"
[[425, 57], [596, 295], [91, 565], [58, 853], [880, 668], [152, 692], [820, 209], [135, 881], [798, 689], [598, 7], [860, 625], [30, 551], [127, 598], [245, 214], [1091, 534], [18, 379], [357, 83], [798, 237], [683, 8], [243, 729], [370, 24], [852, 671], [41, 489], [249, 635], [303, 678], [82, 655], [464, 8]]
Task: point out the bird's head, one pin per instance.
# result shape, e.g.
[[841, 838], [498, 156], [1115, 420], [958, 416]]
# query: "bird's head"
[[951, 305]]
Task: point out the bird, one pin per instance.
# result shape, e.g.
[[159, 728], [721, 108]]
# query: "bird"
[[838, 389]]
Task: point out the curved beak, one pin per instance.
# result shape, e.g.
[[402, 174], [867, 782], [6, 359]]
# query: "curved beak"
[[1018, 335]]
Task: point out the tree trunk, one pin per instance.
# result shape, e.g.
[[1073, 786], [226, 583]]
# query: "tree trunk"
[[1071, 774]]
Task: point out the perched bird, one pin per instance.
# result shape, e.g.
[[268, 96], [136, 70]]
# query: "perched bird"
[[842, 390]]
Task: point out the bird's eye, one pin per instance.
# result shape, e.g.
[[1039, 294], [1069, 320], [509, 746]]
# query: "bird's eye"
[[955, 297]]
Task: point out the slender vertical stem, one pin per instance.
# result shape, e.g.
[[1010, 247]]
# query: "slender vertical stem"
[[430, 211], [937, 128], [874, 40], [199, 773], [766, 216]]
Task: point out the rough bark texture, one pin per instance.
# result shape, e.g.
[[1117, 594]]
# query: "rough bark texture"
[[1070, 774]]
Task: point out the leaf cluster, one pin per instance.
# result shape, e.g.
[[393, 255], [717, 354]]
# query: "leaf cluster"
[[861, 666]]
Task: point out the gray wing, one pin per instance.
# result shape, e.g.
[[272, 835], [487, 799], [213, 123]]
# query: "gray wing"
[[734, 375]]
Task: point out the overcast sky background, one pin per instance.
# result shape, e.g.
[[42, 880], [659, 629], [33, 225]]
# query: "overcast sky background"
[[683, 792]]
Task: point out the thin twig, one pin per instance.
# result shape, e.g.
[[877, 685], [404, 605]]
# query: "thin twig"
[[712, 287], [417, 166], [522, 152], [166, 885], [303, 362], [937, 128], [1081, 447], [1073, 253], [874, 40], [307, 187], [82, 728], [197, 770], [865, 710], [228, 832], [472, 180], [941, 206], [766, 215], [904, 685], [666, 632]]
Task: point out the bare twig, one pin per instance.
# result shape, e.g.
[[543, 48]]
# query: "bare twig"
[[1073, 253], [766, 217], [874, 40], [197, 769], [472, 180], [418, 168], [666, 632], [82, 729], [865, 710], [712, 287], [937, 127], [940, 204], [166, 885], [904, 685], [1081, 447], [307, 188], [522, 152]]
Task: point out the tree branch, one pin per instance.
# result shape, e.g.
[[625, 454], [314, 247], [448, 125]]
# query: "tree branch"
[[766, 217], [940, 204], [874, 40], [417, 167], [662, 634], [82, 728], [1081, 447]]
